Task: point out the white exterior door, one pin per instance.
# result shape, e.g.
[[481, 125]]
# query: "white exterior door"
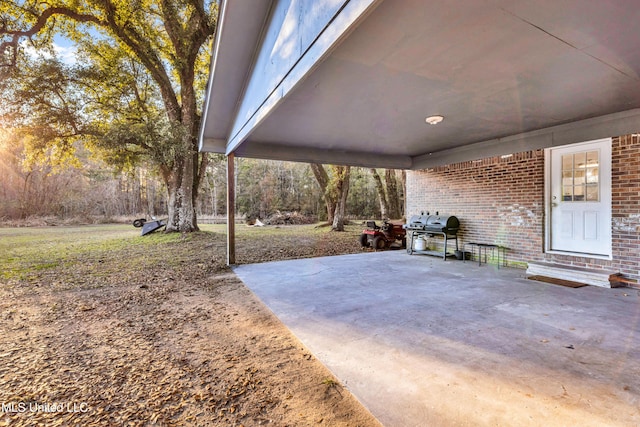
[[580, 198]]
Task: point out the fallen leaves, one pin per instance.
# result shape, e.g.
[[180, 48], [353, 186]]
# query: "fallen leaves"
[[161, 357]]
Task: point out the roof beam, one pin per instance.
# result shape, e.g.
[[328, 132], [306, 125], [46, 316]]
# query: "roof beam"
[[318, 155]]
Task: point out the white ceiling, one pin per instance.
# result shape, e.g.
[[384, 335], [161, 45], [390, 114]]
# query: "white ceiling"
[[493, 69]]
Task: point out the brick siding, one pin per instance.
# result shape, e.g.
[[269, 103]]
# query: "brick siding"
[[501, 200], [625, 204]]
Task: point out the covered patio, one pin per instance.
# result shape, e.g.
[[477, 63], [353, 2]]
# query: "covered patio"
[[418, 340], [497, 89], [422, 341]]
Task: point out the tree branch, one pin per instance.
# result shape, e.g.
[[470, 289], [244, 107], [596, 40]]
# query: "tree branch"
[[44, 17], [148, 56], [10, 46]]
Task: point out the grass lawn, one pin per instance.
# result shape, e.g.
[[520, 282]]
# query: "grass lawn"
[[96, 255]]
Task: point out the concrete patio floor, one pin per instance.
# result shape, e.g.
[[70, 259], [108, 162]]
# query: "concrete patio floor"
[[424, 342]]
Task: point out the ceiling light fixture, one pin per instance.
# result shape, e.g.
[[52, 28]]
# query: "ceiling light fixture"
[[434, 120]]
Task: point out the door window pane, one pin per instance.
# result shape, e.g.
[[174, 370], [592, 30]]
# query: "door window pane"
[[580, 177], [578, 193]]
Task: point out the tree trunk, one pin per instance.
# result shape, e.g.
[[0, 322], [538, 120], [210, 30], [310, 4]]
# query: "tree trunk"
[[342, 191], [392, 193], [391, 197], [382, 197], [323, 180], [188, 169], [182, 214]]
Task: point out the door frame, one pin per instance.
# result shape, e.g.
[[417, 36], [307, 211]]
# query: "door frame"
[[548, 201]]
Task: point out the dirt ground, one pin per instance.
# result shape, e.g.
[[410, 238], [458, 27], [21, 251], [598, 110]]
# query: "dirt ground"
[[189, 344]]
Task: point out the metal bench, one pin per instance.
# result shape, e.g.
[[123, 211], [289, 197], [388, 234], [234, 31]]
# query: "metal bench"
[[483, 247]]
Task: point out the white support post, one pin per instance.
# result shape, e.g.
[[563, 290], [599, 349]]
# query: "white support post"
[[231, 210]]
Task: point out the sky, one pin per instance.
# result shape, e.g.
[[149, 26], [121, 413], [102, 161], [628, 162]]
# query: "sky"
[[64, 48]]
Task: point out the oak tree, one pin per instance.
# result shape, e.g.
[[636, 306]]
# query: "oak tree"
[[165, 40], [390, 193], [335, 190]]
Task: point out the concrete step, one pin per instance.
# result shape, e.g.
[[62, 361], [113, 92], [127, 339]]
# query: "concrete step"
[[574, 274]]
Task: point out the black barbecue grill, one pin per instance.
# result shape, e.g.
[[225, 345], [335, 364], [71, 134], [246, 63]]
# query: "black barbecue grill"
[[432, 225]]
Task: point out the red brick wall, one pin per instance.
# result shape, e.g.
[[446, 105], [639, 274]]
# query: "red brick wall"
[[625, 193], [501, 200]]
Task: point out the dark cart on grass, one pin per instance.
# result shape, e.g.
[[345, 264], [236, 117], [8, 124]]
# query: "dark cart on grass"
[[149, 227]]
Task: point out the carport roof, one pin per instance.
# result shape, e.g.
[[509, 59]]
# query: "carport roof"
[[507, 75]]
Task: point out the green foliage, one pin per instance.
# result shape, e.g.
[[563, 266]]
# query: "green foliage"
[[126, 145], [266, 186], [44, 109], [363, 200], [112, 107]]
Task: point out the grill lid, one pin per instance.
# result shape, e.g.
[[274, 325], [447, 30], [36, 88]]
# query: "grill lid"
[[437, 222], [447, 221]]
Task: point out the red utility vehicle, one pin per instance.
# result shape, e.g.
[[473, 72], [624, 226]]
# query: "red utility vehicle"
[[384, 237]]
